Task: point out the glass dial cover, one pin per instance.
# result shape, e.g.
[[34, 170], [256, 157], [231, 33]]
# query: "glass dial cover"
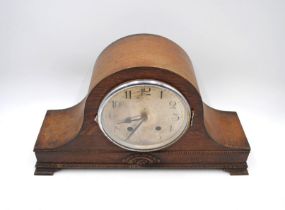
[[144, 115]]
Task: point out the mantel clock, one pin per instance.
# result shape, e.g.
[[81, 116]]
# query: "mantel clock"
[[143, 110]]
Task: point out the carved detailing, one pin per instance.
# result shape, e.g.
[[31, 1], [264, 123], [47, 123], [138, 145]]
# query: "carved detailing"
[[208, 156], [141, 160], [174, 152]]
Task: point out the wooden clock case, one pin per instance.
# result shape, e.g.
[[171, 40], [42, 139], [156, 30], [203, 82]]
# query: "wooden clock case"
[[70, 138]]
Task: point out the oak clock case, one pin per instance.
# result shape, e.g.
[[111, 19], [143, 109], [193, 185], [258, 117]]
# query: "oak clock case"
[[143, 110]]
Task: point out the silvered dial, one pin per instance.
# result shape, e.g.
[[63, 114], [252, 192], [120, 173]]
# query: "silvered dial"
[[144, 115]]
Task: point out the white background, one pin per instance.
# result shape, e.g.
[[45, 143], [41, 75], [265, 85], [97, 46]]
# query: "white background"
[[47, 52]]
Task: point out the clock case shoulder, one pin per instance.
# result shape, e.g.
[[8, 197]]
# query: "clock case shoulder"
[[70, 136]]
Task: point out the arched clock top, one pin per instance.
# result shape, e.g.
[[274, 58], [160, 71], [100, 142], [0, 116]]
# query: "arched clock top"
[[143, 50]]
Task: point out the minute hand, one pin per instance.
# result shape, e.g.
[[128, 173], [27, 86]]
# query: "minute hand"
[[135, 129]]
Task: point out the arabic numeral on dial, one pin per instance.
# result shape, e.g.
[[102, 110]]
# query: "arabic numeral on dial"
[[145, 91], [116, 129], [128, 94], [175, 117], [172, 104], [115, 104]]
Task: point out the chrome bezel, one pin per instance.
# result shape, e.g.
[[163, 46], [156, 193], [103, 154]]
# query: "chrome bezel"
[[141, 82]]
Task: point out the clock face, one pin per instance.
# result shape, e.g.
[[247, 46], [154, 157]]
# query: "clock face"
[[144, 115]]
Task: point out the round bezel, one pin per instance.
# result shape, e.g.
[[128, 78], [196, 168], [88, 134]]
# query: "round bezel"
[[142, 82]]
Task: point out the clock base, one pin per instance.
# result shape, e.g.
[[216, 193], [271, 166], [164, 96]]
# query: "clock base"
[[51, 168]]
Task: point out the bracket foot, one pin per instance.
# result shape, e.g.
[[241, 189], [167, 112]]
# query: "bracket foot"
[[45, 171], [237, 171]]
